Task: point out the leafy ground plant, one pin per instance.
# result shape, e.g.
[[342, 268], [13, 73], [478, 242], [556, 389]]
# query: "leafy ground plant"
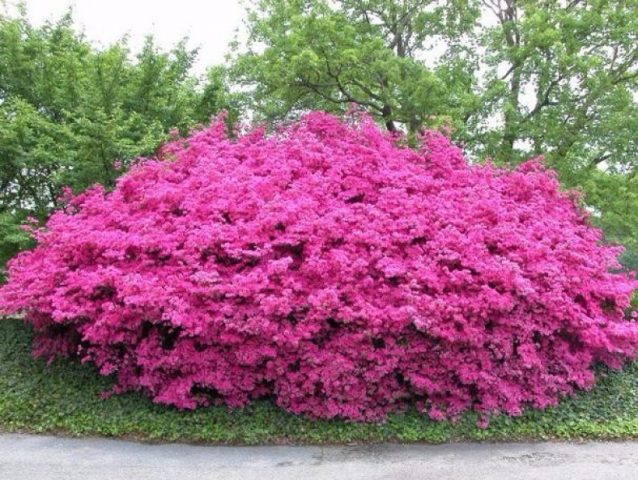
[[64, 398]]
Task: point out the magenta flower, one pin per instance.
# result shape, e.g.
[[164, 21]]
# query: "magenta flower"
[[333, 269]]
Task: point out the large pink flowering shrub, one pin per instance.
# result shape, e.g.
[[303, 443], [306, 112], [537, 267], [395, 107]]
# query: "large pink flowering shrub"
[[332, 269]]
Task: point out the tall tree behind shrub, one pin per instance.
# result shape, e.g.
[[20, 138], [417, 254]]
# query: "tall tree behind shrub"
[[73, 115], [305, 54]]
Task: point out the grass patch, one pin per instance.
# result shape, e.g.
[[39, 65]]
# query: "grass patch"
[[65, 398]]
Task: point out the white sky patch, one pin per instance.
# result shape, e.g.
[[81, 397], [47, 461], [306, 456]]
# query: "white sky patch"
[[209, 24]]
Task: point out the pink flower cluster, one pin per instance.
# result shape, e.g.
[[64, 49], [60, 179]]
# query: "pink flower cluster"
[[333, 269]]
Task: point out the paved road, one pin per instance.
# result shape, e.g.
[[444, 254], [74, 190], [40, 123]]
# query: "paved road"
[[53, 458]]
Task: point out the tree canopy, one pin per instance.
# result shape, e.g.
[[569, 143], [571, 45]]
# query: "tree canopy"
[[73, 115], [365, 53]]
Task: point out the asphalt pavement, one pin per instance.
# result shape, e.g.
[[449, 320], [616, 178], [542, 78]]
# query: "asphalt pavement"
[[37, 457]]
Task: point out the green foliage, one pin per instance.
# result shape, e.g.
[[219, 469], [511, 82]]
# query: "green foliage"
[[14, 238], [616, 194], [65, 398], [319, 57], [575, 65], [69, 112]]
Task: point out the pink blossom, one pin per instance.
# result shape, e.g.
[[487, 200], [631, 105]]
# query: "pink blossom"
[[333, 269]]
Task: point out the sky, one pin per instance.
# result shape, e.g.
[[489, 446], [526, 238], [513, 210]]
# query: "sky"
[[209, 24]]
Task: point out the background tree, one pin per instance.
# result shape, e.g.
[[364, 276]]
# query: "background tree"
[[305, 54], [74, 115], [513, 78]]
